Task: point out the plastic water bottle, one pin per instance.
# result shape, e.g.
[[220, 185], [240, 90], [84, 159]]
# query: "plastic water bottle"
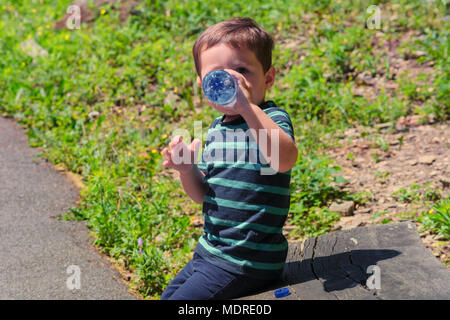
[[220, 87]]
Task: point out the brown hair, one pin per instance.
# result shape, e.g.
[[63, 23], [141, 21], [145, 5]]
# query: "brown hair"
[[237, 32]]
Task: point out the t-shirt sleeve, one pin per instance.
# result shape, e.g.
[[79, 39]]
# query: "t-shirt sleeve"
[[282, 119]]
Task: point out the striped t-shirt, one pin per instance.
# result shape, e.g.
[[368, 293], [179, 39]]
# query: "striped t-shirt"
[[244, 210]]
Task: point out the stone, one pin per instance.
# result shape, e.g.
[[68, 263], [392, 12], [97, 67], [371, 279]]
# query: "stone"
[[364, 78], [435, 140], [33, 49], [445, 182], [93, 115], [428, 159], [347, 223], [89, 10], [171, 98], [344, 208], [364, 210]]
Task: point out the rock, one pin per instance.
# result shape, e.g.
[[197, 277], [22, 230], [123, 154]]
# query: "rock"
[[359, 160], [362, 181], [196, 221], [93, 115], [434, 173], [33, 49], [414, 55], [346, 223], [344, 208], [428, 159], [391, 85], [289, 228], [418, 54], [384, 125], [364, 211], [89, 10], [365, 78], [445, 182], [436, 140], [394, 143], [171, 98]]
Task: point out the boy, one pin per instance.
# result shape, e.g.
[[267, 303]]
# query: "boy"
[[243, 248]]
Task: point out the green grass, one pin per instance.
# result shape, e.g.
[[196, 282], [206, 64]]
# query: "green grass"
[[417, 193], [125, 72], [438, 218]]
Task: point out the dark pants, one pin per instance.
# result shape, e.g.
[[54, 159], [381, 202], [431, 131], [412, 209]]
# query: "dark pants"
[[201, 280]]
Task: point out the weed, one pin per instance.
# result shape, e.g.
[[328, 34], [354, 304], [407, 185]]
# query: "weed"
[[438, 218]]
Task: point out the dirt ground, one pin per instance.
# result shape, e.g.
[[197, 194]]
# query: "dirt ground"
[[381, 160]]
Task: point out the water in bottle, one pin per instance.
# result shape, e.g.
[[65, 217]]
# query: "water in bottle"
[[220, 87]]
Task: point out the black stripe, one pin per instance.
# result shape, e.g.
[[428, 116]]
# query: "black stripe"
[[250, 254], [249, 196], [235, 268], [239, 215], [250, 235], [252, 176]]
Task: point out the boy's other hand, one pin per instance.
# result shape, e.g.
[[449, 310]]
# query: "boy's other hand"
[[181, 156]]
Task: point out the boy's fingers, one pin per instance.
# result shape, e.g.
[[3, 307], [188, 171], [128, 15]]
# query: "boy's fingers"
[[236, 75], [166, 153], [233, 73], [176, 140], [168, 163], [245, 83]]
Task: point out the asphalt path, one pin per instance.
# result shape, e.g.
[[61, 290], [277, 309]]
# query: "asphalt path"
[[42, 257]]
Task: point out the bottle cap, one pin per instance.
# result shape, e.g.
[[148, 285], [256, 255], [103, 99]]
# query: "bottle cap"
[[220, 87], [283, 292]]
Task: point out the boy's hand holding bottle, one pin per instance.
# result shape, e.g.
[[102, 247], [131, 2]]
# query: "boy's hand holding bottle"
[[227, 88]]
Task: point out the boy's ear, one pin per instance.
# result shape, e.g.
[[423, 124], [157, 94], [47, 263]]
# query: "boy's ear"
[[199, 81], [270, 77]]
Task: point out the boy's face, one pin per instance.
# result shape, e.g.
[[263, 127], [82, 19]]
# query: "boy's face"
[[244, 61]]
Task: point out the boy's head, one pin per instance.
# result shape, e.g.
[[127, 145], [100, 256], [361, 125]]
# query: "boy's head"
[[241, 45]]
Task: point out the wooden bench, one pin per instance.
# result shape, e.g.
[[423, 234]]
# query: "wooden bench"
[[335, 266]]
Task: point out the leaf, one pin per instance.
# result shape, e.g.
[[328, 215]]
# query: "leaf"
[[340, 179]]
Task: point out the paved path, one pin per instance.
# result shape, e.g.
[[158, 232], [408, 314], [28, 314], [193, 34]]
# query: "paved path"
[[35, 248]]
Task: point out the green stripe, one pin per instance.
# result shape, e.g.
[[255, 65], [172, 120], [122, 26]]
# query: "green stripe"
[[245, 206], [278, 113], [232, 145], [267, 110], [249, 244], [242, 225], [284, 125], [244, 165], [287, 130], [219, 127], [239, 261], [248, 186]]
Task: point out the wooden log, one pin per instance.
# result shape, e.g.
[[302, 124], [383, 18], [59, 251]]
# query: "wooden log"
[[335, 266]]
